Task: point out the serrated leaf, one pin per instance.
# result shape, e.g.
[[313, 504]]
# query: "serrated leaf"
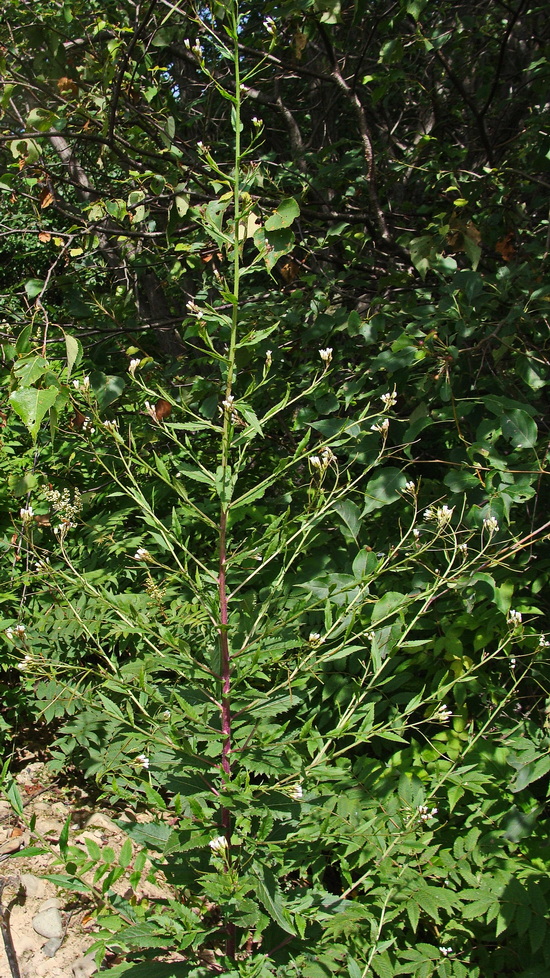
[[270, 897]]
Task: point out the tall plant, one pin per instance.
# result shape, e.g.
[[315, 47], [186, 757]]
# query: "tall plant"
[[266, 682]]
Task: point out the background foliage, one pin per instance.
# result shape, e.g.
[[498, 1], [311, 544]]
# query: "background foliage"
[[394, 209]]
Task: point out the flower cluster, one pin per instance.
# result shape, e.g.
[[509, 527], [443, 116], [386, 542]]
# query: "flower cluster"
[[445, 951], [219, 844], [425, 813], [63, 504], [442, 516], [326, 355], [270, 26], [389, 400], [490, 523], [142, 554], [321, 462], [296, 792], [196, 49], [143, 761], [82, 385], [514, 618], [442, 714], [27, 514], [381, 427], [19, 631], [134, 364], [315, 639]]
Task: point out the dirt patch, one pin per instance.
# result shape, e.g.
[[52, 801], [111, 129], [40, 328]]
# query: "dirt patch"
[[52, 929]]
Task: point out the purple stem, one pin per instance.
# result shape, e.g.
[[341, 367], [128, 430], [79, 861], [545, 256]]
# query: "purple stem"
[[226, 704]]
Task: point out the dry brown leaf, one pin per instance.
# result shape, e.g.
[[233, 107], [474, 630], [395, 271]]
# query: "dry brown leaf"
[[46, 198], [505, 247]]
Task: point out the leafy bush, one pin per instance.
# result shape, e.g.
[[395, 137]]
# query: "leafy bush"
[[284, 602]]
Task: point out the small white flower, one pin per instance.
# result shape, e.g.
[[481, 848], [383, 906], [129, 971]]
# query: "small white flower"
[[425, 813], [513, 663], [197, 50], [463, 548], [191, 305], [9, 634], [410, 487], [445, 951], [26, 514], [296, 792], [268, 358], [514, 618], [315, 462], [381, 426], [202, 149], [25, 663], [270, 26], [82, 385], [315, 639], [327, 456], [370, 636], [134, 364], [166, 714], [256, 122], [543, 642], [219, 844], [416, 534], [442, 714], [326, 355], [143, 761], [389, 400], [490, 524], [142, 554], [110, 425], [444, 515], [228, 403]]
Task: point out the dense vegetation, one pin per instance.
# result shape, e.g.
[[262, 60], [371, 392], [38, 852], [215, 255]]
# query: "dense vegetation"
[[275, 457]]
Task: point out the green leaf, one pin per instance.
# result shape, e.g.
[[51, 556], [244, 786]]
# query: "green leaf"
[[270, 896], [384, 489], [125, 855], [74, 352], [350, 514], [106, 389], [67, 882], [33, 287], [30, 370], [31, 405], [284, 216], [519, 429]]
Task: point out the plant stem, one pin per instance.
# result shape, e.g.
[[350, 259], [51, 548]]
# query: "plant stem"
[[225, 652]]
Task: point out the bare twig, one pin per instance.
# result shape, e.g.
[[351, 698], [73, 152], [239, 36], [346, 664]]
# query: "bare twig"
[[6, 932]]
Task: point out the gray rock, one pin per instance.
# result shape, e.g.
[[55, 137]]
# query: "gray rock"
[[84, 967], [34, 887], [52, 902], [52, 946], [48, 923]]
